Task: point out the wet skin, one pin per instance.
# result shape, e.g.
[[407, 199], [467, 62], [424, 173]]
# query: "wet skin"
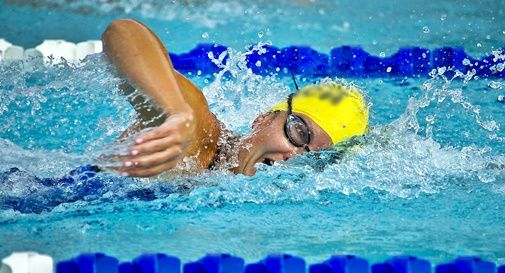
[[268, 143], [189, 129]]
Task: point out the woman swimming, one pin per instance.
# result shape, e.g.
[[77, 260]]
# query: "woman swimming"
[[314, 118]]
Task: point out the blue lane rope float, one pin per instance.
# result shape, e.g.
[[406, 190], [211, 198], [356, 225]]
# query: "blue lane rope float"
[[341, 264], [277, 263], [345, 61], [466, 265], [282, 263]]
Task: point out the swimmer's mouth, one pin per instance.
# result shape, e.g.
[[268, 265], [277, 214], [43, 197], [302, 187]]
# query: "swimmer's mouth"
[[268, 161]]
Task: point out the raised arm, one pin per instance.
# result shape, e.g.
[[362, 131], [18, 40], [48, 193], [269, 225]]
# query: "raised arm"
[[190, 128]]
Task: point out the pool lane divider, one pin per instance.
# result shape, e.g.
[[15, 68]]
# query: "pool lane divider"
[[343, 61], [31, 262]]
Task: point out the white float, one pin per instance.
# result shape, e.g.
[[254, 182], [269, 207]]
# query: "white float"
[[50, 51], [3, 46], [27, 262], [87, 48], [55, 50], [14, 53]]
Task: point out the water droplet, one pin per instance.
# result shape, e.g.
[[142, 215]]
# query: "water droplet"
[[205, 35], [441, 70], [388, 69], [258, 63], [443, 17], [496, 85], [382, 54], [426, 29], [260, 34]]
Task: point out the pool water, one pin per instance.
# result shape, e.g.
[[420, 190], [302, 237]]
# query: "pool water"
[[428, 179]]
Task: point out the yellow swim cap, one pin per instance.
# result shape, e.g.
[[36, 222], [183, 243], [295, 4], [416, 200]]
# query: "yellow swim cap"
[[340, 111]]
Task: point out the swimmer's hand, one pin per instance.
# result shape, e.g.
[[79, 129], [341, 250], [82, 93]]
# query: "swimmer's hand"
[[160, 149]]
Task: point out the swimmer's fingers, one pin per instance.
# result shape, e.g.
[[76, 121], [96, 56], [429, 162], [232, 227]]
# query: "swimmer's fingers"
[[148, 172], [154, 159], [156, 145], [174, 124]]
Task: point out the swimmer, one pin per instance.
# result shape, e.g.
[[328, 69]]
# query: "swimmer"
[[312, 119]]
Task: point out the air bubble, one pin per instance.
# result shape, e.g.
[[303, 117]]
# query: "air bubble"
[[382, 54], [260, 34], [443, 17], [426, 29], [258, 63], [388, 69], [479, 45], [205, 35]]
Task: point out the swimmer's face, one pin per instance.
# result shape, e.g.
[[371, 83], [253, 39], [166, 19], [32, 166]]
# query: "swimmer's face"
[[268, 143]]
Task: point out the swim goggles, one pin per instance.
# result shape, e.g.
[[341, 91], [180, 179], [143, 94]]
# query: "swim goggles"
[[296, 129]]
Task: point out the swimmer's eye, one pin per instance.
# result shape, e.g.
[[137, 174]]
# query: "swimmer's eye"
[[297, 131]]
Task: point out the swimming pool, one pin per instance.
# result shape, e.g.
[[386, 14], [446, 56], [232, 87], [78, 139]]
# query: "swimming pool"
[[428, 180]]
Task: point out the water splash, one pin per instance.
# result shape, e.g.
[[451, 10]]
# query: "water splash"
[[401, 159], [233, 94], [61, 108]]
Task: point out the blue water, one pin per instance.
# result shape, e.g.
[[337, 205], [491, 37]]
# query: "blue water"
[[428, 180]]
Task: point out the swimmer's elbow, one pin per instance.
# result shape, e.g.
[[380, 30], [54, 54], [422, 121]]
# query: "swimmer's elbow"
[[118, 26]]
